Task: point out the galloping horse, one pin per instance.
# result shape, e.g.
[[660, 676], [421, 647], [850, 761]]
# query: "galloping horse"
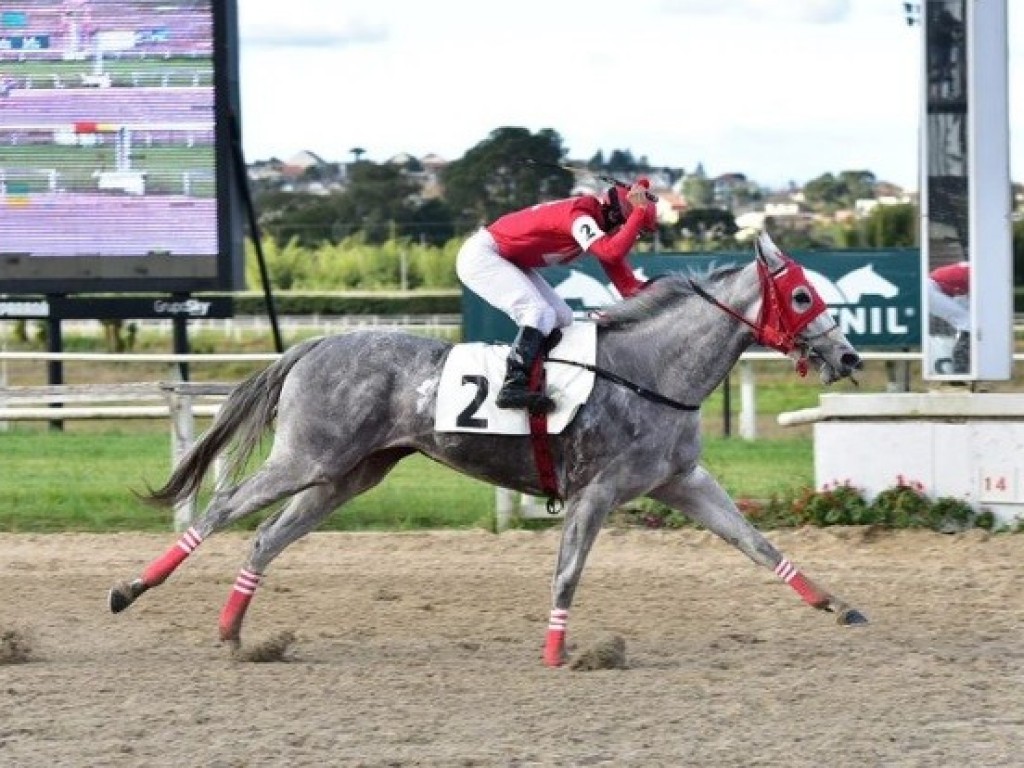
[[349, 407]]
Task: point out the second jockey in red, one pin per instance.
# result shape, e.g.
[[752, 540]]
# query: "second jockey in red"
[[500, 264]]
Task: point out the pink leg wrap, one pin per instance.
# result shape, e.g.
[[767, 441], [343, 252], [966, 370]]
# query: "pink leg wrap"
[[234, 609], [554, 643], [804, 587], [158, 570]]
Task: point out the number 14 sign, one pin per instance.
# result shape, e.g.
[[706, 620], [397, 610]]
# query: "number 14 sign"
[[998, 484]]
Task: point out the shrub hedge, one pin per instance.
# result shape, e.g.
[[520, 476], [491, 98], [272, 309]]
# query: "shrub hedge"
[[902, 506]]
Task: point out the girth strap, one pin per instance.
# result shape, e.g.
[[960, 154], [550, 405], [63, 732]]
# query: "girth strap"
[[539, 437], [540, 440]]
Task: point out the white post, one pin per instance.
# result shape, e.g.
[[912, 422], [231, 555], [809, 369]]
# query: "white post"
[[748, 401], [182, 437], [534, 506], [504, 506]]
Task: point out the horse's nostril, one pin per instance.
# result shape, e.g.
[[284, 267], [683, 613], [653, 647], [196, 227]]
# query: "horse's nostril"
[[851, 360]]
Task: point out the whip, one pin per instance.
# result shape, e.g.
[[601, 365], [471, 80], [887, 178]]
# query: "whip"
[[651, 197]]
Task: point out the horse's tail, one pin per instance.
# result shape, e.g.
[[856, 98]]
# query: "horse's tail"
[[243, 418]]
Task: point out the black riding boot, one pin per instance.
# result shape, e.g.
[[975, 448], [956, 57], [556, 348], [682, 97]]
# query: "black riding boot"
[[962, 353], [515, 391]]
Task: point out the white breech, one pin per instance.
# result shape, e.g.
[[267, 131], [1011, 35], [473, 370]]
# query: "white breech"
[[953, 310], [522, 294]]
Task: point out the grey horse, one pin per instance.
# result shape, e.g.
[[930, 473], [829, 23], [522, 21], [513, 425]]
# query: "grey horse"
[[349, 407]]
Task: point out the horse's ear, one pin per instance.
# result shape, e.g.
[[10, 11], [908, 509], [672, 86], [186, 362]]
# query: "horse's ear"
[[768, 252]]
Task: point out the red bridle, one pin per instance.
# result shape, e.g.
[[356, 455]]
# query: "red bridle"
[[789, 304]]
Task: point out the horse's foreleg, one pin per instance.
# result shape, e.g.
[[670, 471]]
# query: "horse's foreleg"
[[583, 519], [699, 496], [258, 491]]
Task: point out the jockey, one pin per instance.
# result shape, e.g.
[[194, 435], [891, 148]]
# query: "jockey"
[[500, 264], [948, 288]]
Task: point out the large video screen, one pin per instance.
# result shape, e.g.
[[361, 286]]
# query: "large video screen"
[[116, 156]]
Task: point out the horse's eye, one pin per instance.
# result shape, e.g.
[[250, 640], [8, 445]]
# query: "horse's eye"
[[801, 299]]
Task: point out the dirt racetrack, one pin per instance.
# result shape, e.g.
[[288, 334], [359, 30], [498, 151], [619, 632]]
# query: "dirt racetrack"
[[424, 649]]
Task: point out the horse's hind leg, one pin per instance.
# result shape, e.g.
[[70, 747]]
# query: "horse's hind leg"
[[302, 514], [274, 481], [699, 496]]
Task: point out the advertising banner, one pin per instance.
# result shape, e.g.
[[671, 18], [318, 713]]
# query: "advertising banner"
[[874, 295]]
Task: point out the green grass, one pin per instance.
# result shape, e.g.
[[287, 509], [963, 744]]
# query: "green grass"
[[84, 481], [760, 469]]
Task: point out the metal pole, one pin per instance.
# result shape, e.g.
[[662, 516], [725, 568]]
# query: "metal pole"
[[54, 368], [242, 177], [181, 346]]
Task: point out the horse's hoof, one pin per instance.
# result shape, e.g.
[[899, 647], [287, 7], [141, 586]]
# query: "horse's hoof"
[[117, 599], [230, 633], [851, 617], [554, 649], [122, 595]]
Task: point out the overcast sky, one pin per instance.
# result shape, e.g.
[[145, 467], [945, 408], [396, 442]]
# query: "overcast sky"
[[778, 89]]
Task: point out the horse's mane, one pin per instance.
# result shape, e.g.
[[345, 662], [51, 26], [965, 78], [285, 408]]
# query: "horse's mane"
[[667, 289]]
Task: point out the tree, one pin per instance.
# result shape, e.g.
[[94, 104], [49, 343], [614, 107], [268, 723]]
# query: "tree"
[[300, 215], [840, 191], [707, 226], [509, 170], [824, 190], [378, 196], [891, 226], [621, 162], [886, 226], [857, 185], [698, 190], [315, 172], [1018, 253], [430, 223]]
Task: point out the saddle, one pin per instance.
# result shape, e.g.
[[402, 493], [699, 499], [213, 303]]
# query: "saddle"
[[473, 373]]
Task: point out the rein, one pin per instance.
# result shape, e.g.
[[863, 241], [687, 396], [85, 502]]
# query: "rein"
[[699, 290], [770, 330], [644, 392]]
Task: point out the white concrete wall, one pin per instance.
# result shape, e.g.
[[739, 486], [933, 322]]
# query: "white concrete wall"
[[968, 446]]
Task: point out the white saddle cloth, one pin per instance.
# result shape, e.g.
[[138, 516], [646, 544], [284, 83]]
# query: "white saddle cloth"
[[474, 372]]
